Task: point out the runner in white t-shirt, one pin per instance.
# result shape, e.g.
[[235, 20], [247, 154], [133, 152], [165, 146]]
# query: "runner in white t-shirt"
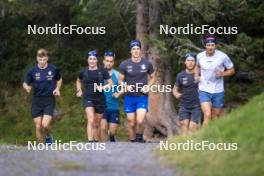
[[212, 66]]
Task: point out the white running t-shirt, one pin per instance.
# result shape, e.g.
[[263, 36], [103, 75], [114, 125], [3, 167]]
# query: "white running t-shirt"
[[208, 66]]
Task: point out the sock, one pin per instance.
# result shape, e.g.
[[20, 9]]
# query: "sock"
[[112, 138], [139, 137]]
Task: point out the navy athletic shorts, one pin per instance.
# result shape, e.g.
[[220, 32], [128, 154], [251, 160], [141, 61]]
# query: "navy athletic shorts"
[[99, 104], [112, 116], [194, 114], [42, 106]]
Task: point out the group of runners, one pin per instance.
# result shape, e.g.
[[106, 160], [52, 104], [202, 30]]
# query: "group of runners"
[[199, 87]]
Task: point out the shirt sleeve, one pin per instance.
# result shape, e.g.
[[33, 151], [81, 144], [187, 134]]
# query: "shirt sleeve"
[[81, 75], [228, 63], [57, 74], [115, 81], [122, 68], [28, 77], [106, 74], [198, 61], [178, 81], [116, 76], [150, 68]]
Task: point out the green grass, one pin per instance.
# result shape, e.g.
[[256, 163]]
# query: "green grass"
[[243, 126], [16, 124], [68, 166]]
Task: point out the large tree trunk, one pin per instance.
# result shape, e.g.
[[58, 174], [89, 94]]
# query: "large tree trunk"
[[162, 114], [4, 10], [141, 23]]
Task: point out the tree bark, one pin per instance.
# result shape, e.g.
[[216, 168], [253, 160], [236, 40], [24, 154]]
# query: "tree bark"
[[162, 115], [4, 10], [142, 24]]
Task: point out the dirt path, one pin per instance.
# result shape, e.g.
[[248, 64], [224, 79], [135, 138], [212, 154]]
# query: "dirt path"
[[120, 158]]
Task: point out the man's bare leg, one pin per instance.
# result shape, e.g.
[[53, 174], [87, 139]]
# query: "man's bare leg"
[[104, 130], [193, 126], [38, 127], [140, 118], [112, 131], [185, 126], [113, 128], [141, 114], [216, 112], [206, 108], [131, 119], [46, 124]]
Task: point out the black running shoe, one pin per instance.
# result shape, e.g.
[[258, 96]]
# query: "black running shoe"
[[112, 138]]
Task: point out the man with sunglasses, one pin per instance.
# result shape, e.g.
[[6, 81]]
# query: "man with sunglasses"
[[212, 66], [46, 81]]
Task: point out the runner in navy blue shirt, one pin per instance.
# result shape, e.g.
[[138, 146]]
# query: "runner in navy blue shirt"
[[186, 90], [136, 74], [45, 79], [93, 77]]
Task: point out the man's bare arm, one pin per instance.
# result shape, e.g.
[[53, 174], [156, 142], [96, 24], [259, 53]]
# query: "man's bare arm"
[[152, 79], [176, 92], [197, 72], [27, 87], [121, 78], [56, 92], [228, 72]]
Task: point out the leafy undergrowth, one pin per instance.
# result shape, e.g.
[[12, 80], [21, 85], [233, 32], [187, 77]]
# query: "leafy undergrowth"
[[16, 124]]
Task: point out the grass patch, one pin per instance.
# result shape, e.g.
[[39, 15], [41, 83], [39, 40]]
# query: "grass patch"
[[68, 166], [243, 126], [16, 124]]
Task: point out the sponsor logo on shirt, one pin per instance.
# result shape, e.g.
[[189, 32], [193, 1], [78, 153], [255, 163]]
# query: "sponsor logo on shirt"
[[129, 68], [184, 80], [50, 75], [143, 68], [37, 76]]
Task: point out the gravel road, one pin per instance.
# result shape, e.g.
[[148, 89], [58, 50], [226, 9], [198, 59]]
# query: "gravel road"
[[121, 158]]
